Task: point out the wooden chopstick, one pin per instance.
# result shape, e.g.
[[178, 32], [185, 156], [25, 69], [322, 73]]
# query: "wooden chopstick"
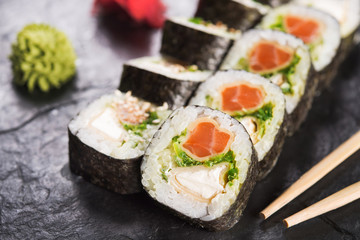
[[336, 200], [314, 174]]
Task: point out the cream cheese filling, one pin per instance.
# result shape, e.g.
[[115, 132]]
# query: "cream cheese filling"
[[199, 182], [108, 124]]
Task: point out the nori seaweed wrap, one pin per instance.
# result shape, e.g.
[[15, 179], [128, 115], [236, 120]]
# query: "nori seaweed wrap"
[[273, 3], [107, 140], [239, 14], [256, 103], [195, 41], [202, 166], [159, 80], [117, 175]]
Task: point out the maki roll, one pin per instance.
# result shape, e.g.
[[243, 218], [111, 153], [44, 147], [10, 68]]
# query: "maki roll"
[[198, 42], [318, 30], [160, 80], [347, 12], [237, 14], [201, 165], [254, 101], [285, 61], [107, 140]]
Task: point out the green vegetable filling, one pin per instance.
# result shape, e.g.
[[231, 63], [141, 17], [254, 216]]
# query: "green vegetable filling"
[[243, 64], [278, 24], [137, 129], [177, 138], [209, 100], [163, 174], [192, 68], [262, 115], [196, 20], [233, 173], [184, 160]]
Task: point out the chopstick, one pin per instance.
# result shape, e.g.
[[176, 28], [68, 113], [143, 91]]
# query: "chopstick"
[[314, 174], [336, 200]]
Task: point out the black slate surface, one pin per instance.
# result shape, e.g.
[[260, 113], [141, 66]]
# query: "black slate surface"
[[41, 199]]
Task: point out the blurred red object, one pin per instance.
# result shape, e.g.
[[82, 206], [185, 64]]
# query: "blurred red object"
[[150, 12]]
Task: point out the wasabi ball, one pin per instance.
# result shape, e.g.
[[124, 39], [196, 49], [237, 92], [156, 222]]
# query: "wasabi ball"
[[42, 57]]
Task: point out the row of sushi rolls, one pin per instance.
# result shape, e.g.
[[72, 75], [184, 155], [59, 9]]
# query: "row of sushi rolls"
[[198, 125]]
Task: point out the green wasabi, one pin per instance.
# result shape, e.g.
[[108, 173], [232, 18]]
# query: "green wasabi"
[[42, 57]]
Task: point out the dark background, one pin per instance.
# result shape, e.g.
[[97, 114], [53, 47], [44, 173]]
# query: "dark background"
[[41, 199]]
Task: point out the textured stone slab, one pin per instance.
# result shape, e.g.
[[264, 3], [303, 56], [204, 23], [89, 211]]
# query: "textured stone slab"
[[41, 199]]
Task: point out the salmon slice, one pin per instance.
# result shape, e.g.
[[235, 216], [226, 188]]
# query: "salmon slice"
[[205, 139], [267, 57], [306, 29], [240, 96]]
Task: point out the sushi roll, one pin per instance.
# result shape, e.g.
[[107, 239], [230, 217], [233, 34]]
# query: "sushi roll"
[[198, 42], [160, 80], [237, 14], [285, 61], [107, 140], [347, 12], [254, 101], [201, 164], [319, 31]]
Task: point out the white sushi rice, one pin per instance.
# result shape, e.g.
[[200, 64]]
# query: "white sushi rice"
[[218, 31], [158, 155], [162, 66], [347, 12], [324, 50], [244, 45], [133, 145], [263, 9], [273, 95]]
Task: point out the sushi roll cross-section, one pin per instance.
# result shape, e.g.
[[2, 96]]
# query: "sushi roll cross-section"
[[108, 138], [285, 61], [319, 31], [201, 165], [159, 80], [254, 101], [347, 12], [196, 41]]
